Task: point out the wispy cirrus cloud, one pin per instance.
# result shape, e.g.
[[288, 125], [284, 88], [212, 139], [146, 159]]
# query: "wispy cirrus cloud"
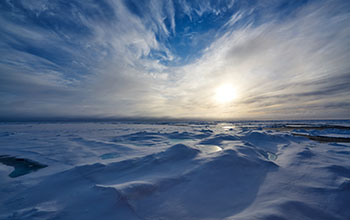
[[166, 58]]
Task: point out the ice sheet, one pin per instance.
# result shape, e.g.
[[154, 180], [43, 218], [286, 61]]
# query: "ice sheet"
[[175, 170]]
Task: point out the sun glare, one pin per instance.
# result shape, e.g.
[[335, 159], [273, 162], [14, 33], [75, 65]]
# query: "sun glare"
[[225, 93]]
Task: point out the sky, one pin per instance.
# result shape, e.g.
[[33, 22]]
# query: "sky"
[[217, 59]]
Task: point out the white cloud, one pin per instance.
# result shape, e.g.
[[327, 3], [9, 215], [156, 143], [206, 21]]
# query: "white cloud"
[[294, 67], [269, 64]]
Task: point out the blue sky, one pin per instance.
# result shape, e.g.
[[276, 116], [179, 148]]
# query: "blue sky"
[[152, 58]]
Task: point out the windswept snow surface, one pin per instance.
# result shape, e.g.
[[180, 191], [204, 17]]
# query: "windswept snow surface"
[[174, 170]]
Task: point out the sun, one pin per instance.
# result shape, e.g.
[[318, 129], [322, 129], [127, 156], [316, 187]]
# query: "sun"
[[225, 93]]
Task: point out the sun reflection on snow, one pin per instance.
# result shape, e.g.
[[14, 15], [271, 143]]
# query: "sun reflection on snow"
[[209, 148]]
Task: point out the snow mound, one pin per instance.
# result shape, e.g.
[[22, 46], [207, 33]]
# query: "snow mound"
[[179, 151]]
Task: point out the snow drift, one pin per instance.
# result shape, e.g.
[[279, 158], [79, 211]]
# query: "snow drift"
[[198, 170]]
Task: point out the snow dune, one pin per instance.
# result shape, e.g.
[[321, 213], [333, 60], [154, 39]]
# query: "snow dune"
[[193, 170]]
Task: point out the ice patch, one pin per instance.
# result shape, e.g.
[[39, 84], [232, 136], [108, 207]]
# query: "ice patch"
[[109, 156], [271, 156], [21, 166]]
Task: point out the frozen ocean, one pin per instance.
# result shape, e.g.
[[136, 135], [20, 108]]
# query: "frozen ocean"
[[175, 170]]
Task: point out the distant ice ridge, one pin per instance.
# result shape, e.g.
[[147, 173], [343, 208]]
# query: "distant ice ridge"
[[197, 170]]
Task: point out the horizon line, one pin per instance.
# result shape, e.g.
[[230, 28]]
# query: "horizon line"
[[164, 119]]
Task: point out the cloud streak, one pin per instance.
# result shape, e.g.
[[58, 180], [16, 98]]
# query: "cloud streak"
[[166, 58]]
